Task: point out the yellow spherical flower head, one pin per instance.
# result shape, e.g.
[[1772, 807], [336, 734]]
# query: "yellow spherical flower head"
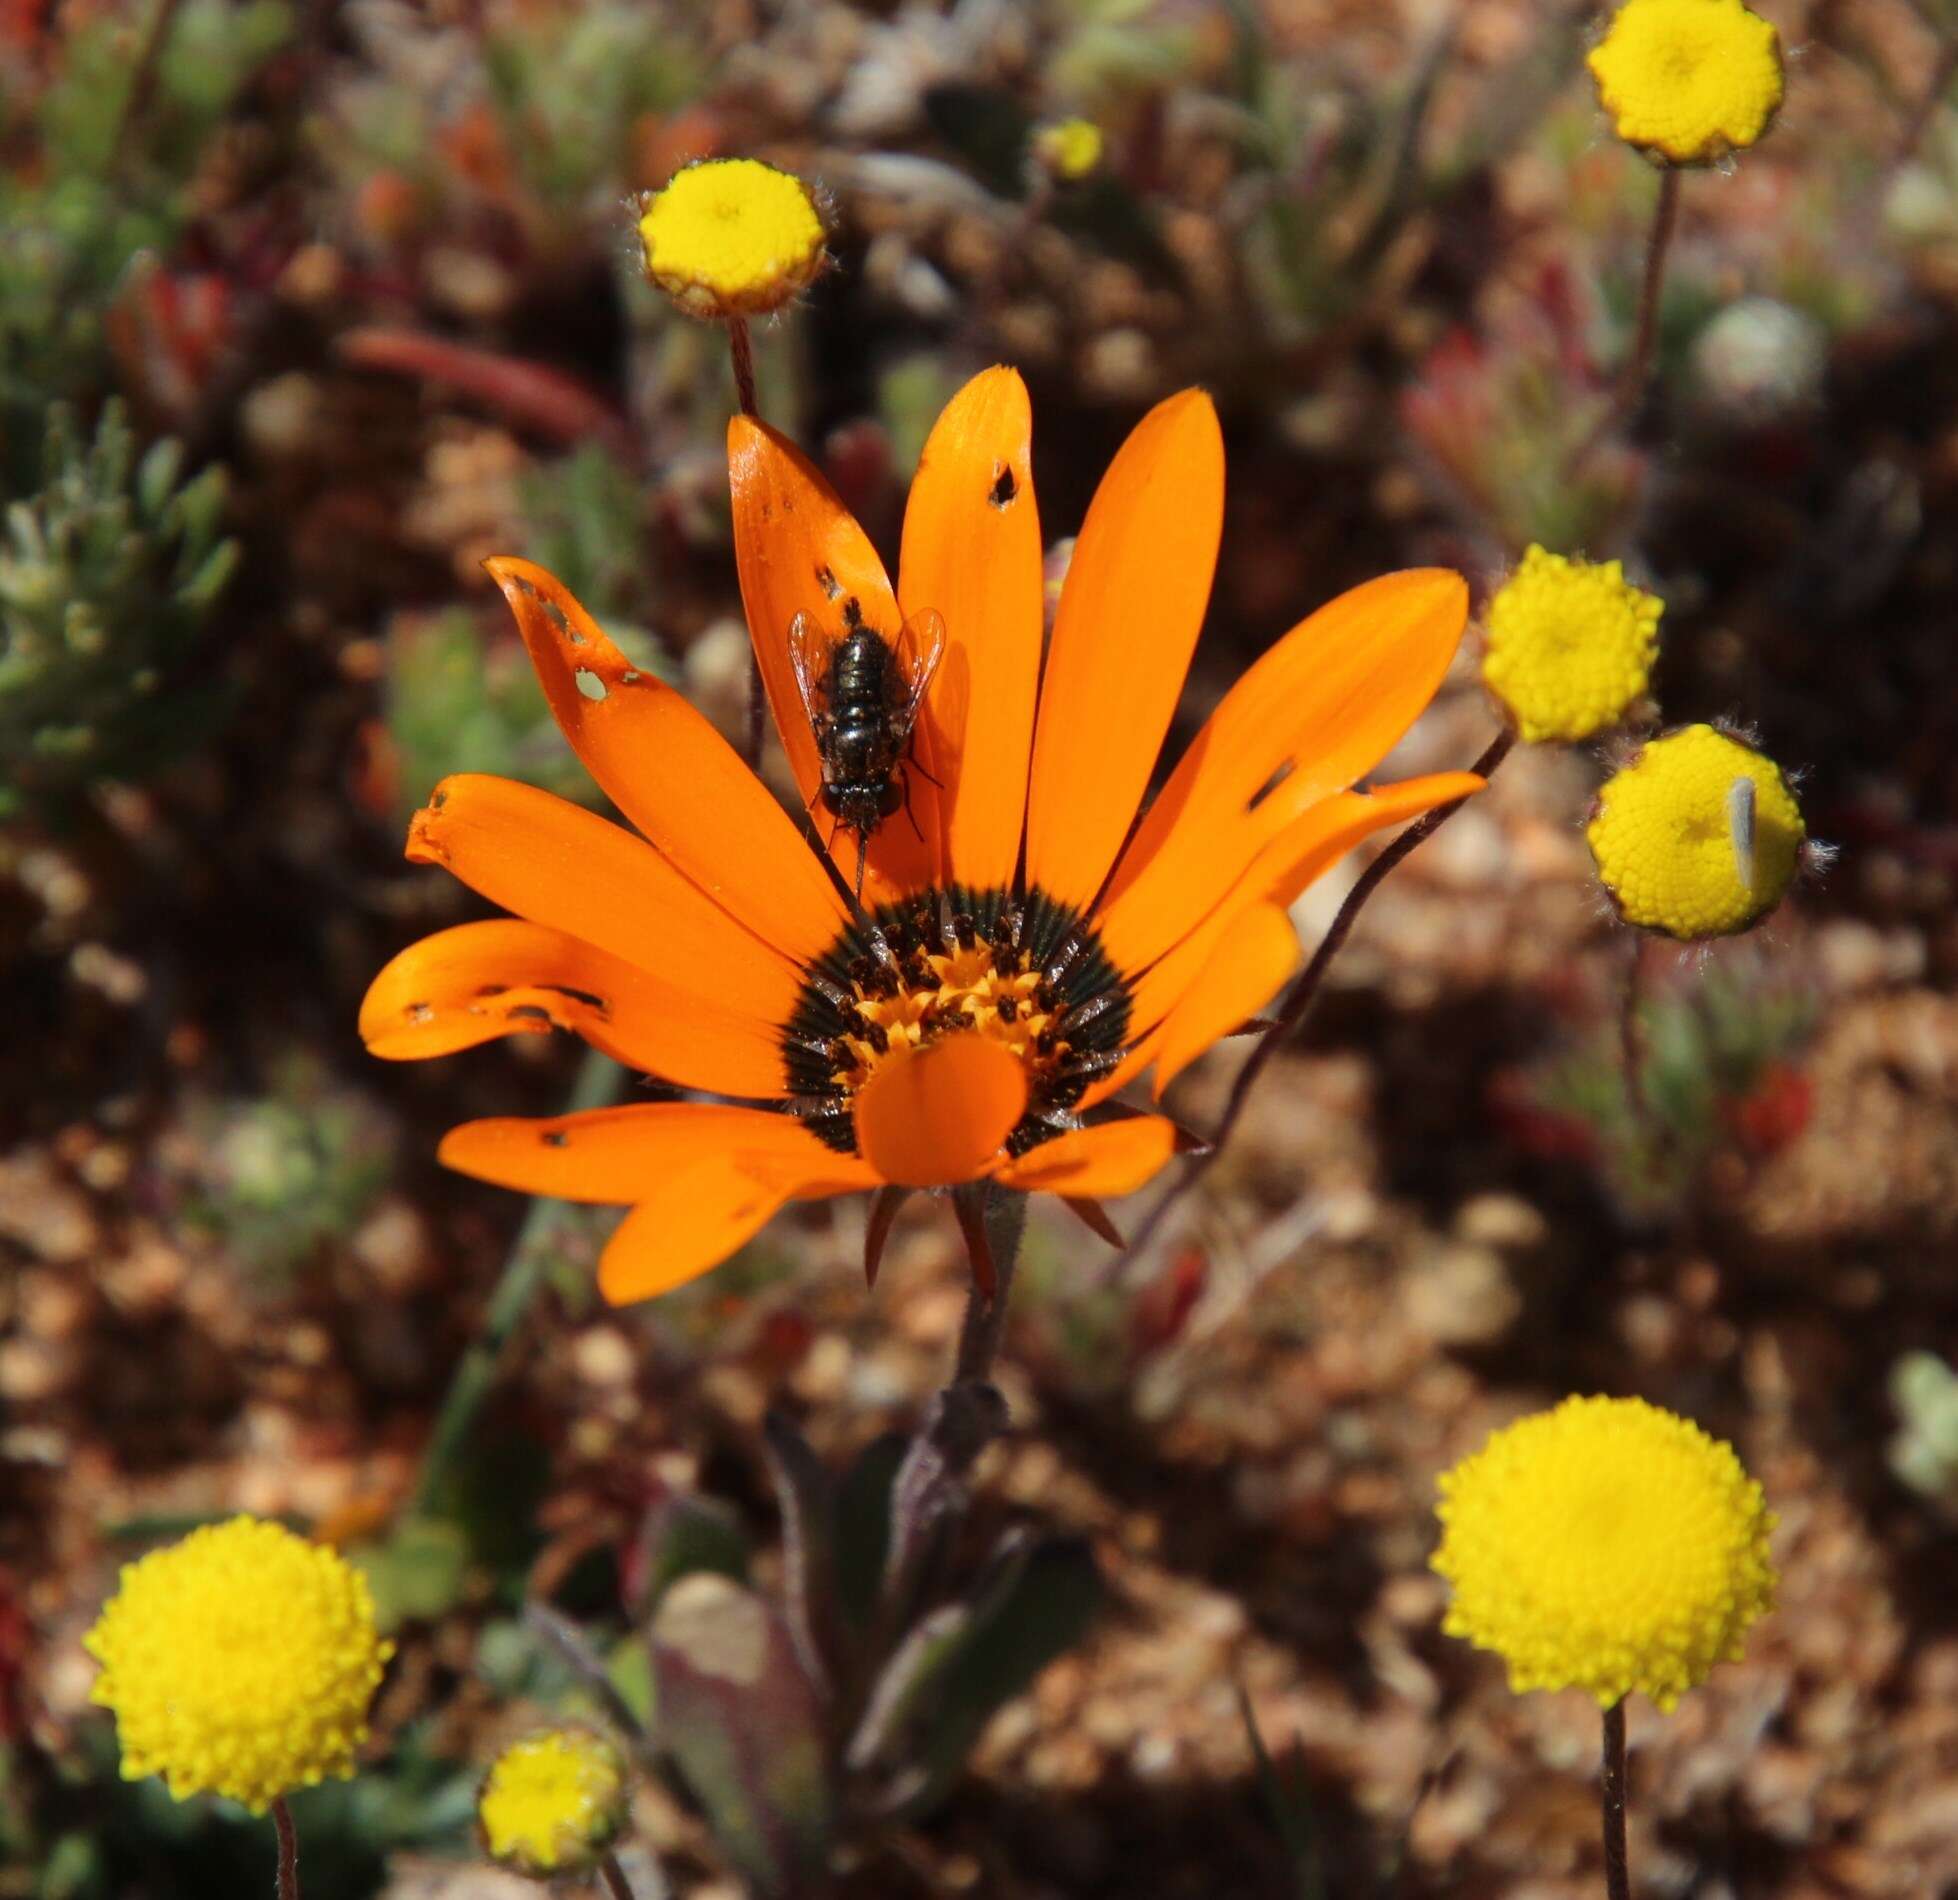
[[1570, 645], [1069, 148], [1698, 837], [239, 1662], [732, 237], [1607, 1546], [1688, 81], [554, 1802]]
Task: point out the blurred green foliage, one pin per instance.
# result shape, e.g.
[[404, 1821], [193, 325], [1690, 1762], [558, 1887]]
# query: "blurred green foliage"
[[106, 573], [1717, 1073], [286, 1174], [533, 117], [99, 174]]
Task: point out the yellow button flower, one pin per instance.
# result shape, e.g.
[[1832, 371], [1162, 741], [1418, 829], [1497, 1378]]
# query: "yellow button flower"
[[554, 1802], [732, 237], [1570, 645], [239, 1662], [1608, 1546], [1698, 837], [1688, 81], [1069, 148]]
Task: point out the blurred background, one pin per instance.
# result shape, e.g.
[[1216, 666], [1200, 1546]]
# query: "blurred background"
[[306, 308]]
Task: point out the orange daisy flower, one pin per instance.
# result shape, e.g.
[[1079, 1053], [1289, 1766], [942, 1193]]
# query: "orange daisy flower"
[[1025, 946]]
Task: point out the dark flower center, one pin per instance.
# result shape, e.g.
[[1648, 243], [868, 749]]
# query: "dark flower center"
[[1022, 971]]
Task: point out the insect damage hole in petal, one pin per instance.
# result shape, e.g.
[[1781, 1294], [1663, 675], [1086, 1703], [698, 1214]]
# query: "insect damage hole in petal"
[[936, 1116], [559, 865], [1316, 713], [972, 553], [504, 977], [615, 1155], [1130, 611], [663, 764], [798, 550]]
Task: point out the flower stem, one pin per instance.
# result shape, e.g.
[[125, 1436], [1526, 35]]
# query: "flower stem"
[[288, 1850], [524, 1268], [929, 1492], [1926, 108], [1617, 1869], [1630, 387], [741, 348], [617, 1884], [1304, 992]]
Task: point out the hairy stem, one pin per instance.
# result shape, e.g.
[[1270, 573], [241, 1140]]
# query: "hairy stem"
[[929, 1493], [524, 1270], [288, 1850], [741, 347], [1617, 1869], [1304, 992], [1629, 390]]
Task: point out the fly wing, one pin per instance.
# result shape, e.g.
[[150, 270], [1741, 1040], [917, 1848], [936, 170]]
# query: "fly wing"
[[809, 650], [1740, 827], [920, 646]]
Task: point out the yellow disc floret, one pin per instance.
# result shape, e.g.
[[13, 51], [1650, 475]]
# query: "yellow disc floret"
[[732, 237], [554, 1802], [1698, 837], [1570, 645], [239, 1662], [1688, 81], [1069, 148], [1606, 1546]]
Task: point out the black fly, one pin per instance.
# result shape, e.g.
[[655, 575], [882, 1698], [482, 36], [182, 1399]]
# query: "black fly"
[[862, 694]]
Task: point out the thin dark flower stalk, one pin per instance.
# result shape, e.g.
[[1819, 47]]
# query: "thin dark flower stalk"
[[1617, 1868], [1304, 991], [288, 1850], [1926, 108], [741, 348], [1631, 1038], [142, 81], [1629, 390], [963, 1418], [617, 1883], [524, 1270], [1658, 247]]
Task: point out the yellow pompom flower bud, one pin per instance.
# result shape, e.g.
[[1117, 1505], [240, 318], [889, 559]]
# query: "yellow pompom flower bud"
[[239, 1662], [1069, 148], [1688, 81], [1570, 645], [732, 237], [1698, 837], [1608, 1546], [554, 1802]]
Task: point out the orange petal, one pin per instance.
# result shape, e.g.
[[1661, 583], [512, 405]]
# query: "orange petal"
[[1280, 872], [800, 551], [666, 768], [972, 553], [1130, 611], [619, 1155], [560, 865], [693, 1220], [1246, 970], [1109, 1159], [506, 977], [1323, 707], [935, 1116]]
